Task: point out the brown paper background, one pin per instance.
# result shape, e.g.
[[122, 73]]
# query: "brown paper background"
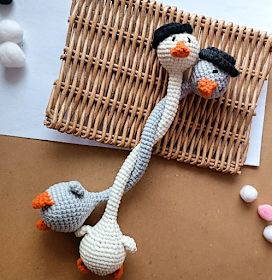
[[189, 222]]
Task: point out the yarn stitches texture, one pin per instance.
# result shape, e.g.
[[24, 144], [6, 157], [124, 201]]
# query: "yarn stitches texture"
[[211, 75], [65, 206], [75, 204], [103, 247]]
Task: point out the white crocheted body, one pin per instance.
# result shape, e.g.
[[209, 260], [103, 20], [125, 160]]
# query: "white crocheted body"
[[102, 249]]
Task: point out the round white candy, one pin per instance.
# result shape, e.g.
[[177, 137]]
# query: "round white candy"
[[267, 233], [11, 55], [248, 193], [11, 31]]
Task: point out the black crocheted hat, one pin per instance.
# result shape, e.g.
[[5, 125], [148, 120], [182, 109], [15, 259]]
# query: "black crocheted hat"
[[221, 59], [169, 29]]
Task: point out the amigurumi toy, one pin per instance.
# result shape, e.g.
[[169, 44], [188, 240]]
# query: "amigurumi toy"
[[65, 206], [210, 76], [103, 246]]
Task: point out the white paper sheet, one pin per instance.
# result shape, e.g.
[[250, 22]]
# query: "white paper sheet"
[[256, 133], [24, 93], [250, 13]]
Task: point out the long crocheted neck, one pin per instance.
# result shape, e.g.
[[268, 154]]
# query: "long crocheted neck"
[[122, 178], [171, 105]]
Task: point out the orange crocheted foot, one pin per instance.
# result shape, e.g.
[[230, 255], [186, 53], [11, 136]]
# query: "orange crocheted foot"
[[81, 266], [41, 225], [117, 275]]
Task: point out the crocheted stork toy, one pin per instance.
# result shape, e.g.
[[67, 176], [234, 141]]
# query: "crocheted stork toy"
[[210, 76], [103, 247], [65, 206]]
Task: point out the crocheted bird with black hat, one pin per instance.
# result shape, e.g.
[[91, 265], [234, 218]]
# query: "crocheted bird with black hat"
[[211, 75], [65, 206], [177, 48]]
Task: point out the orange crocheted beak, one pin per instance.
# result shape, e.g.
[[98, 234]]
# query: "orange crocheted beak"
[[42, 200], [206, 87], [180, 50]]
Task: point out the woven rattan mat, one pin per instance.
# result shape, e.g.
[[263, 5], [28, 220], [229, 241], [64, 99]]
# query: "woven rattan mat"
[[110, 80]]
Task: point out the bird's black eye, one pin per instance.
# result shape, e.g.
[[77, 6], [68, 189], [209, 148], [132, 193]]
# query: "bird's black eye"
[[215, 71], [173, 38], [189, 40]]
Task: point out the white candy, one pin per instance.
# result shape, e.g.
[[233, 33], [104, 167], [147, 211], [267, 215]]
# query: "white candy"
[[267, 233], [248, 193], [11, 55], [11, 31]]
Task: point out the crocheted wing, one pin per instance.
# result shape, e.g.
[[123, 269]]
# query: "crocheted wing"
[[129, 244]]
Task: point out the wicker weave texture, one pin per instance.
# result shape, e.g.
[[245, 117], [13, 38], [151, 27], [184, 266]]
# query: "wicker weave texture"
[[110, 80]]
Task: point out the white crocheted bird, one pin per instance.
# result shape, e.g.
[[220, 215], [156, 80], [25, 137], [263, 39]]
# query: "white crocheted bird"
[[103, 246]]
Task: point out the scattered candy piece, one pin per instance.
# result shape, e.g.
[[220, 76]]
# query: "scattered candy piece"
[[265, 212], [248, 193], [11, 31], [5, 2], [267, 233], [11, 55]]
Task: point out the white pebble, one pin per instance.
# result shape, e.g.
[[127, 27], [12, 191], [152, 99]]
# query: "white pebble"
[[248, 193], [267, 233], [11, 55], [11, 31]]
